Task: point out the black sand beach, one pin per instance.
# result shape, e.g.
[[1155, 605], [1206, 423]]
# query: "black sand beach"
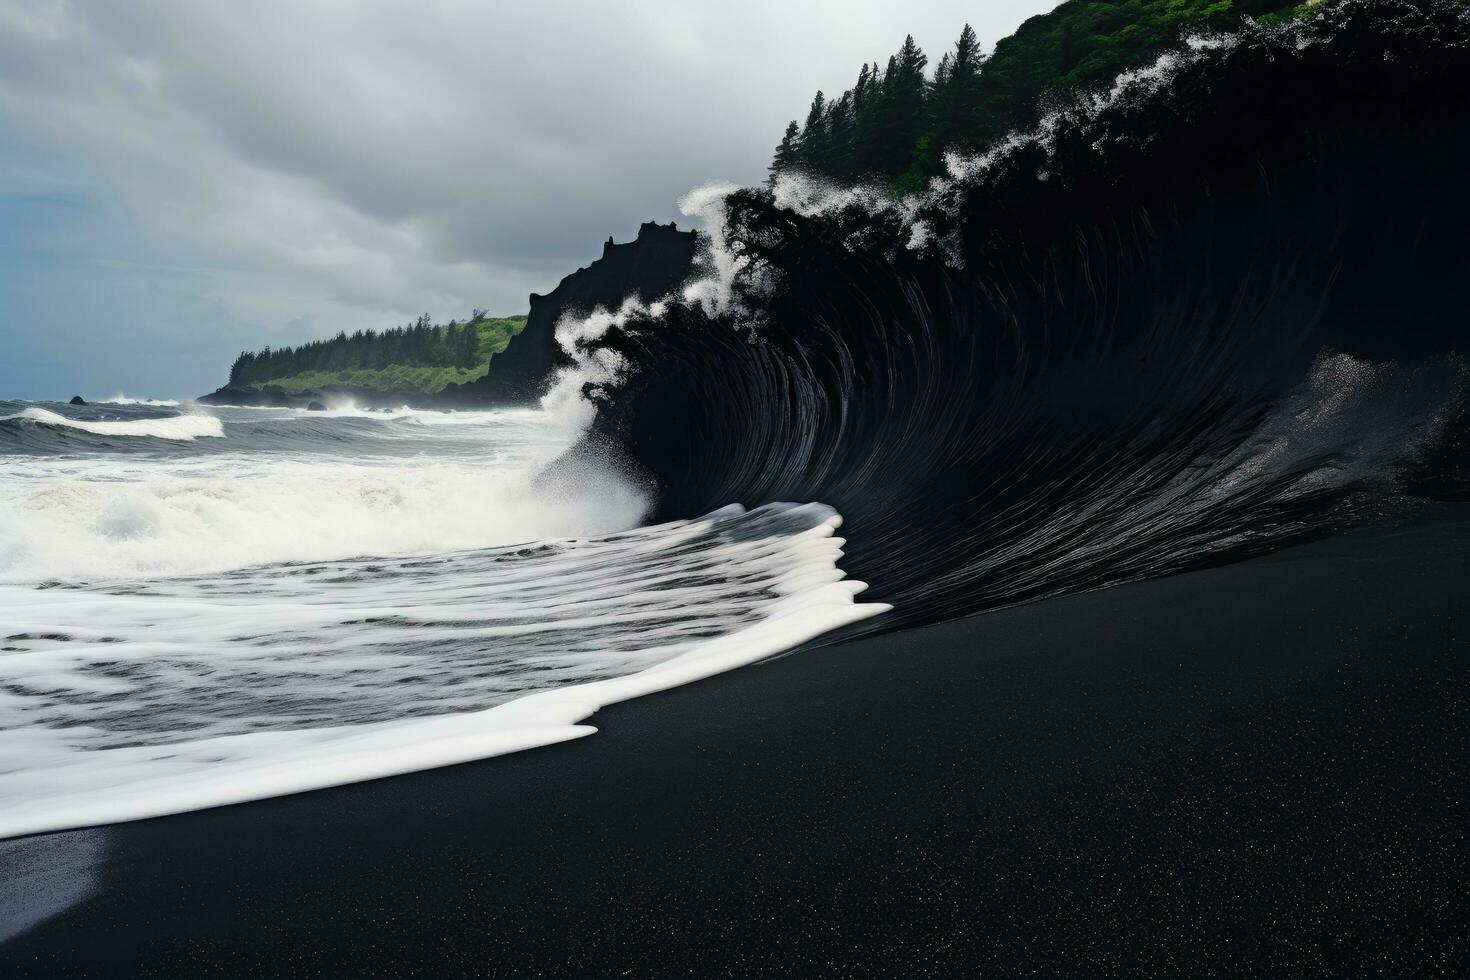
[[1253, 770]]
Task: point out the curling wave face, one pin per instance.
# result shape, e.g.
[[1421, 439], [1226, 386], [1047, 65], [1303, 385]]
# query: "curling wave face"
[[1209, 312]]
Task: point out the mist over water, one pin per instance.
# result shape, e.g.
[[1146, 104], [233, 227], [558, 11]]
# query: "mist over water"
[[151, 490]]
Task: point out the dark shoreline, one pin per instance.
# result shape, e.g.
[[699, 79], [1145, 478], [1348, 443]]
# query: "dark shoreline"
[[1255, 769]]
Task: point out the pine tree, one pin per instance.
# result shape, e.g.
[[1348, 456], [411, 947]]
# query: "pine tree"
[[786, 153], [900, 116], [866, 139], [812, 148], [957, 95], [469, 344], [942, 71], [839, 159]]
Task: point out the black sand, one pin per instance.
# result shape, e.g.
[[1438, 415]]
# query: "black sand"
[[1256, 770]]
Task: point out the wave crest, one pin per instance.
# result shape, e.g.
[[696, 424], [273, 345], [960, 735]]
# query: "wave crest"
[[175, 427], [1207, 313]]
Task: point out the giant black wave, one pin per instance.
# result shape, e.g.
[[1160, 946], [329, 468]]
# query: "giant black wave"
[[1211, 313]]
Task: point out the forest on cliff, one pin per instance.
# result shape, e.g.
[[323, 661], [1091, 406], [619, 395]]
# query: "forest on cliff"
[[420, 356], [898, 120]]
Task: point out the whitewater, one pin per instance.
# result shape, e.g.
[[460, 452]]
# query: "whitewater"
[[201, 606]]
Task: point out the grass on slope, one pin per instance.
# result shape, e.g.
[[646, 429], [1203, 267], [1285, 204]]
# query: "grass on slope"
[[495, 335]]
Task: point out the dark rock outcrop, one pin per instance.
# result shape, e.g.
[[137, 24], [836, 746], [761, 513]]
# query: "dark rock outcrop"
[[650, 266], [270, 396], [76, 400]]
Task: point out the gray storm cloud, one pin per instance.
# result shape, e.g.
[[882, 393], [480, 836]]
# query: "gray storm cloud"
[[305, 168]]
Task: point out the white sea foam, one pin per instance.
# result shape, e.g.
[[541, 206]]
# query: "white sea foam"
[[177, 427], [211, 519], [147, 697]]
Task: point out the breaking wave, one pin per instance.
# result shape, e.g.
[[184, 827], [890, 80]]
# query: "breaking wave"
[[1211, 311], [176, 427]]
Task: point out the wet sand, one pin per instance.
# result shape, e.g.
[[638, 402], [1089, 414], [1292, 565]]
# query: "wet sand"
[[1256, 769]]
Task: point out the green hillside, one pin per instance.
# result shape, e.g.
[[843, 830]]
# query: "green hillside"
[[421, 357]]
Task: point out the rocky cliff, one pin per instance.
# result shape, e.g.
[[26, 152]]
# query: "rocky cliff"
[[651, 265]]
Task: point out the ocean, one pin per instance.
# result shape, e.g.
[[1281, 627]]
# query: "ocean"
[[210, 605]]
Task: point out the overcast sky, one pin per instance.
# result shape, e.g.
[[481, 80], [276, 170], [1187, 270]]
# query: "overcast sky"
[[180, 181]]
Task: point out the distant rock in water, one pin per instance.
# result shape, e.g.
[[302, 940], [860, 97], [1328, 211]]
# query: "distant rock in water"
[[316, 406], [653, 264], [76, 400]]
